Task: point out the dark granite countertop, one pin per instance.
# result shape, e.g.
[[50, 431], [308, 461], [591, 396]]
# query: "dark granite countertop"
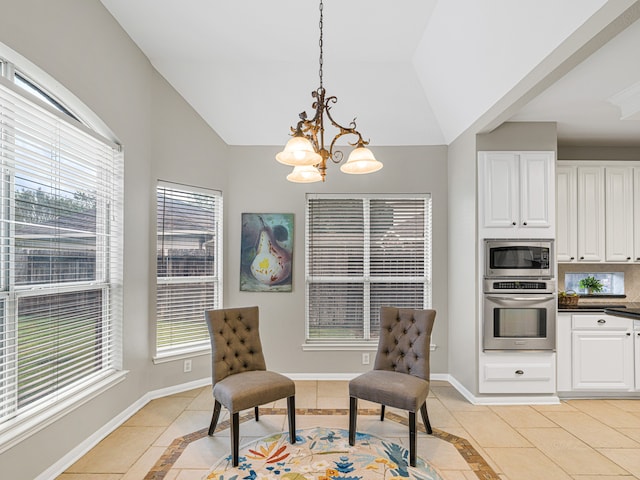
[[603, 307], [633, 313]]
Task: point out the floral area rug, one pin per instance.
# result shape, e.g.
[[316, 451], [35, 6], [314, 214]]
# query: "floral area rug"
[[322, 454]]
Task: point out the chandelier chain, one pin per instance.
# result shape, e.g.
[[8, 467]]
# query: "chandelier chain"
[[320, 43]]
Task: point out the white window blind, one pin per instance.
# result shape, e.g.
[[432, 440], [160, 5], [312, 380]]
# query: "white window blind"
[[189, 266], [60, 256], [363, 252]]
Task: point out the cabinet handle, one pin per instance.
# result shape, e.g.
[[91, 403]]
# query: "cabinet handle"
[[524, 223], [519, 372], [628, 258], [638, 258], [513, 223], [581, 258], [628, 334], [602, 320], [572, 258]]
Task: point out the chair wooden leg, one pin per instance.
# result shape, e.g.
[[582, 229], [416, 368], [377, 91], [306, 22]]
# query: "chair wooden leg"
[[235, 436], [291, 410], [425, 418], [412, 439], [214, 418], [257, 415], [353, 414], [382, 413]]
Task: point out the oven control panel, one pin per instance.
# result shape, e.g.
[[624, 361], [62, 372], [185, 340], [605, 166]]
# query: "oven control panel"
[[519, 286]]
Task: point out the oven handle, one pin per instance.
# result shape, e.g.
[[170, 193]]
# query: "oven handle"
[[520, 299]]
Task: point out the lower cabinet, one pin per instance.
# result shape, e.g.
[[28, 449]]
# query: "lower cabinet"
[[521, 372], [602, 360], [596, 353], [636, 345]]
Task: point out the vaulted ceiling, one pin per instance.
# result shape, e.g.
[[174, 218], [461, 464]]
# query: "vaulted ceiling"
[[413, 72]]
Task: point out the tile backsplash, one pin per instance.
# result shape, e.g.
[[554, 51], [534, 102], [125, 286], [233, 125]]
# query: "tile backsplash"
[[631, 277]]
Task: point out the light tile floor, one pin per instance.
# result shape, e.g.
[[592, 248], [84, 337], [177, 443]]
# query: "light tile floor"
[[577, 439]]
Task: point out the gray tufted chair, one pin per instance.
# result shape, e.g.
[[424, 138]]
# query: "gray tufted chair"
[[400, 375], [240, 377]]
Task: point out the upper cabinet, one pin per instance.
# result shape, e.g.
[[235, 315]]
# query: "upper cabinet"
[[516, 194], [590, 214], [598, 211]]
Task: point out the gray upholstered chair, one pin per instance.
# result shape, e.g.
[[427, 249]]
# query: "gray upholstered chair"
[[400, 375], [240, 378]]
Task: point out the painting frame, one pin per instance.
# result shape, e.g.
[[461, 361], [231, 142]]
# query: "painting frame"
[[266, 252]]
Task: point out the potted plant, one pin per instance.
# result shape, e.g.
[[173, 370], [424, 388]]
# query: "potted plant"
[[591, 284]]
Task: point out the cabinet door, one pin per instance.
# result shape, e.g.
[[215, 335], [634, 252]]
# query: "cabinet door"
[[590, 214], [500, 175], [602, 360], [636, 345], [536, 189], [567, 214], [618, 214], [636, 214]]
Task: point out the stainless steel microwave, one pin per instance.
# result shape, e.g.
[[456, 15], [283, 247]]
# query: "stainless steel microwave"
[[518, 258]]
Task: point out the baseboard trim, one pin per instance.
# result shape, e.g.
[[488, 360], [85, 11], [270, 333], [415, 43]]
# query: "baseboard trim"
[[76, 453]]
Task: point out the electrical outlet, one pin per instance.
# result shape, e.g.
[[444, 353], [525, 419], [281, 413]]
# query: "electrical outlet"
[[365, 359], [187, 366]]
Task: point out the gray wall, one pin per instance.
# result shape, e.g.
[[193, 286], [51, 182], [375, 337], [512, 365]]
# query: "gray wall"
[[257, 184], [80, 45], [464, 316]]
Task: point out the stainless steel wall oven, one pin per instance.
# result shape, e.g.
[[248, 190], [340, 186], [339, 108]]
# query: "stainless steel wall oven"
[[519, 314]]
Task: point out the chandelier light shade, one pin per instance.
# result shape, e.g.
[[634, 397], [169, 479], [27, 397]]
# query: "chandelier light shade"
[[306, 150], [298, 152], [361, 160], [304, 174]]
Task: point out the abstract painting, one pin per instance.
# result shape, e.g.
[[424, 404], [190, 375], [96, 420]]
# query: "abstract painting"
[[266, 252]]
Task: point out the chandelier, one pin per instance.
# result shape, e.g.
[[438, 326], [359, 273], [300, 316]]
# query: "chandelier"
[[306, 151]]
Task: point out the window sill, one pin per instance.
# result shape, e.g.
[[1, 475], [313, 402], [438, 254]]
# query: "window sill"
[[175, 355], [344, 347]]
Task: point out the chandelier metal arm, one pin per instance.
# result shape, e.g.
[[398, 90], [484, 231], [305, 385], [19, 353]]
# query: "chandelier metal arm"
[[311, 131], [314, 128]]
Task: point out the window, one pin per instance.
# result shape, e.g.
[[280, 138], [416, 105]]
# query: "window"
[[189, 266], [61, 193], [612, 282], [363, 252]]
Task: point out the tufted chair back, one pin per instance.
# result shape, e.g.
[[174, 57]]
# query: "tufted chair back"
[[405, 338], [235, 341]]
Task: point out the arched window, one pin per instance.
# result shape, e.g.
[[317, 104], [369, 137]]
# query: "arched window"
[[61, 193]]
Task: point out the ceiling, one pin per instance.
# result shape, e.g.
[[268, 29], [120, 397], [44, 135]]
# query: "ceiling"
[[415, 72]]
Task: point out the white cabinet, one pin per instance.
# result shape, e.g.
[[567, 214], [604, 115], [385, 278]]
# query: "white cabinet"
[[618, 213], [636, 214], [517, 372], [598, 212], [515, 190], [567, 213], [563, 351], [595, 353], [590, 214], [636, 349]]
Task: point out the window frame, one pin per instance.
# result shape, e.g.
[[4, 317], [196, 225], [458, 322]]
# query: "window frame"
[[367, 343], [18, 422], [203, 347]]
